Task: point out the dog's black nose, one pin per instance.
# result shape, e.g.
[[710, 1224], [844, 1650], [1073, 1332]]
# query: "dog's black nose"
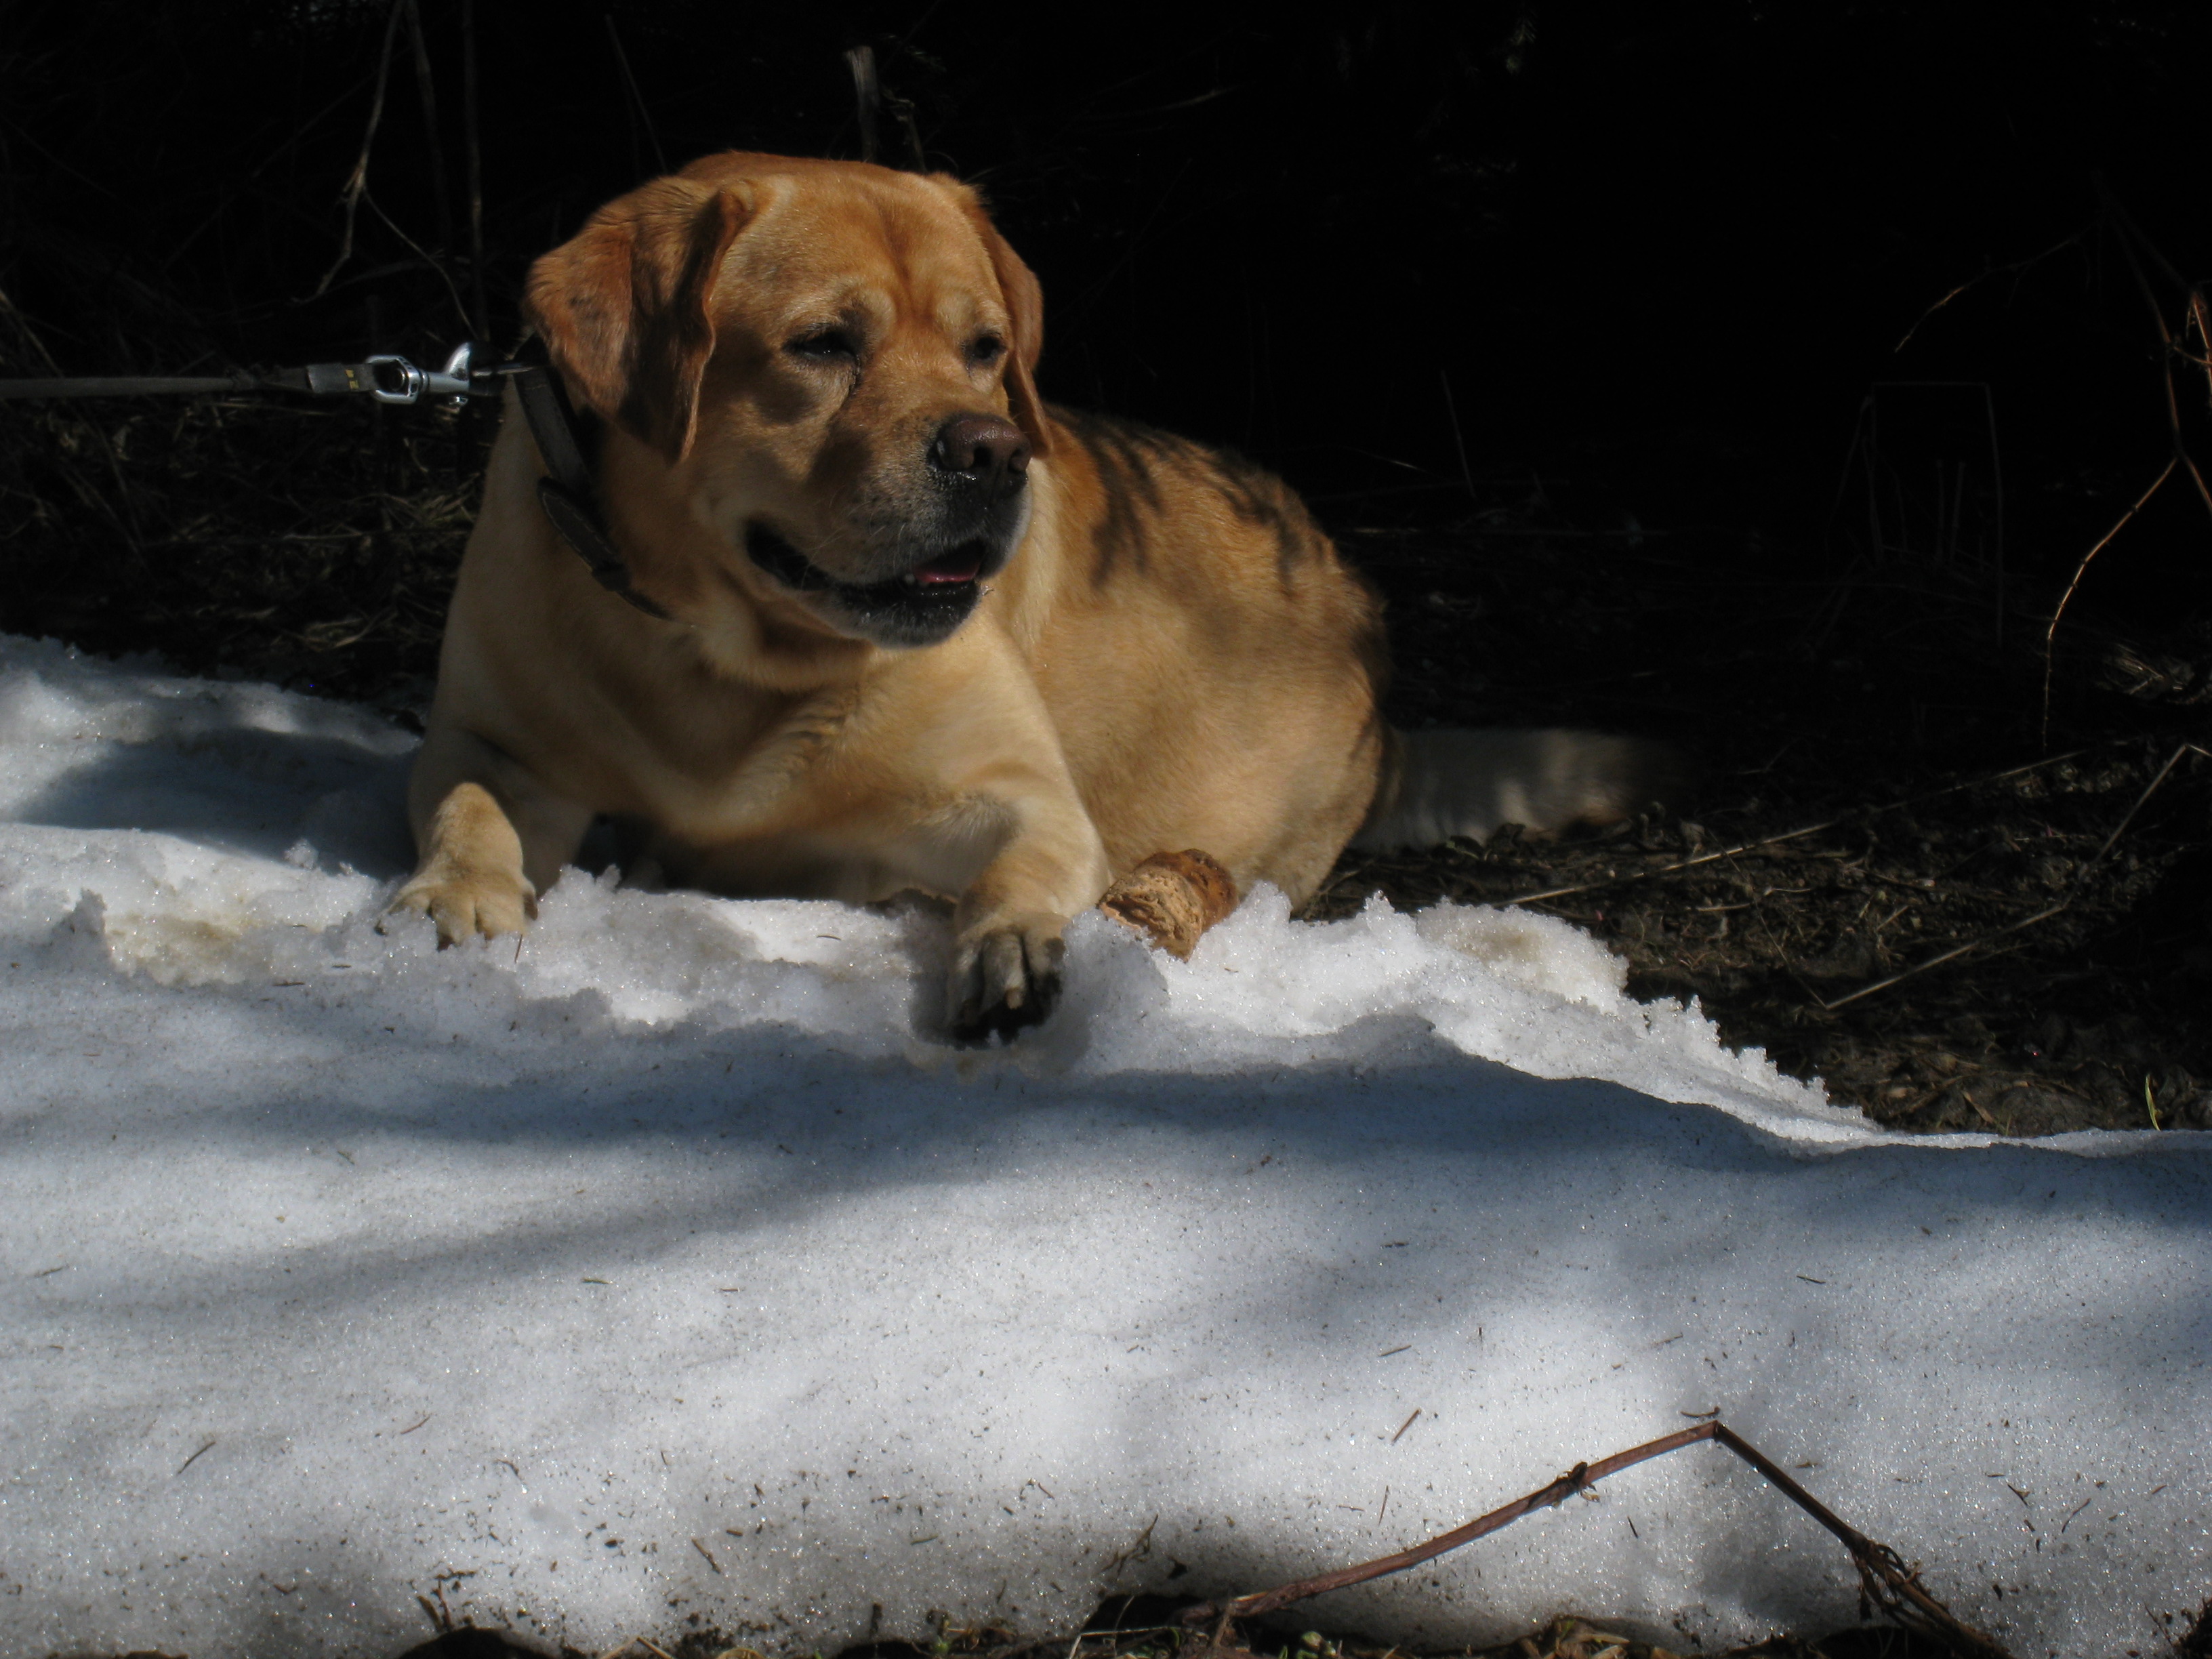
[[982, 449]]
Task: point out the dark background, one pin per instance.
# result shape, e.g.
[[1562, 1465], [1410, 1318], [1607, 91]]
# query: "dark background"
[[1672, 244]]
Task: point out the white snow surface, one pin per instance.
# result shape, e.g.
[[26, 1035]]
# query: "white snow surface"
[[668, 1271]]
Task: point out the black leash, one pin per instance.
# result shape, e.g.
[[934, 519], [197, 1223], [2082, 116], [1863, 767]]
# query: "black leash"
[[388, 379], [569, 443]]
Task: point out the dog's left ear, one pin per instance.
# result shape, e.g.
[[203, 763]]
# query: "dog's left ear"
[[1025, 306], [623, 306]]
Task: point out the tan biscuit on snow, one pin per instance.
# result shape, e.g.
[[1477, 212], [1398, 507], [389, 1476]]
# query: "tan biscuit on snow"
[[1172, 898]]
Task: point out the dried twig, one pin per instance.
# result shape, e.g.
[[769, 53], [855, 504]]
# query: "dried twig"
[[469, 120], [2073, 892], [2131, 240], [639, 112], [1459, 441], [2137, 247], [430, 260], [426, 91], [1681, 865], [1678, 866], [1886, 1582], [122, 512], [871, 97], [2075, 241], [357, 181], [1937, 961], [867, 96], [2050, 633]]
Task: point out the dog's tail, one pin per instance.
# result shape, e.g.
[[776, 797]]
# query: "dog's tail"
[[1440, 783]]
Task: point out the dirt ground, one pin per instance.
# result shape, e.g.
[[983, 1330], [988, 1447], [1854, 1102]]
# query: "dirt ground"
[[1566, 1637], [1884, 873], [1892, 870], [1144, 1628]]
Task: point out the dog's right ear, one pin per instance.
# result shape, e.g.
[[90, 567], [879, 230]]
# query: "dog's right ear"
[[624, 306]]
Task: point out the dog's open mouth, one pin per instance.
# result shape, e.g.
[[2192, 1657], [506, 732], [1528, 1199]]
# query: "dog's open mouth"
[[963, 564], [919, 608]]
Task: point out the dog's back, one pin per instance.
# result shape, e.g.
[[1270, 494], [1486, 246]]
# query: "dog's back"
[[1216, 672], [1214, 667]]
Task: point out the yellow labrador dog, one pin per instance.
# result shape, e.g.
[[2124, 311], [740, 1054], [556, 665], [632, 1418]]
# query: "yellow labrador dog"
[[893, 623]]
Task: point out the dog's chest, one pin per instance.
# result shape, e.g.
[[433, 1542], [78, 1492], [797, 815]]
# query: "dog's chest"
[[732, 772], [817, 802]]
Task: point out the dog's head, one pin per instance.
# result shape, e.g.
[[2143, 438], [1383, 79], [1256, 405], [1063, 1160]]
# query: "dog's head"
[[832, 362]]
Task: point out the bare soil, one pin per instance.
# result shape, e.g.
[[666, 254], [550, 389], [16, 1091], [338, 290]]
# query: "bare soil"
[[1145, 1628], [1886, 873]]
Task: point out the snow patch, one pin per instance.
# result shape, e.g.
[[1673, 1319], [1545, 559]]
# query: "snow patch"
[[667, 1268]]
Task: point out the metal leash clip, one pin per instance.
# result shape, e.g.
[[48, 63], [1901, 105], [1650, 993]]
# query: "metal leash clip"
[[395, 381]]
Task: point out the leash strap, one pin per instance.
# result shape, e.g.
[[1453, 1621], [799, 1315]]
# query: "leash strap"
[[128, 385], [569, 493], [386, 378]]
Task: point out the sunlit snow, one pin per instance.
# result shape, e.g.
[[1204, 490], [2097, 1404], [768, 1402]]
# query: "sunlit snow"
[[668, 1272]]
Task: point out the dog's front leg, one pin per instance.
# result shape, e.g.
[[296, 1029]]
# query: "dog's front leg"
[[1008, 944], [488, 836]]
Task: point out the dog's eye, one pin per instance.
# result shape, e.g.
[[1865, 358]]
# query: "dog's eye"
[[825, 345], [985, 350]]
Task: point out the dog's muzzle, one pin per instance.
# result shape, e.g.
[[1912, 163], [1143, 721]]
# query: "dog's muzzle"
[[978, 467]]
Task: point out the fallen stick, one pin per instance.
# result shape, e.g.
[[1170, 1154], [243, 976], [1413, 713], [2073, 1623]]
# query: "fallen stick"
[[1681, 864], [2172, 345], [2073, 891], [1669, 869], [2050, 633], [1886, 1583]]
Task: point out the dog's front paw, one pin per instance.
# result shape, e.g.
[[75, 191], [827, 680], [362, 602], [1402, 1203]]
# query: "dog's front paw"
[[1006, 975], [465, 904]]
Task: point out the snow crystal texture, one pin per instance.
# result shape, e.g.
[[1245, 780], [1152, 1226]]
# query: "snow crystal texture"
[[667, 1272]]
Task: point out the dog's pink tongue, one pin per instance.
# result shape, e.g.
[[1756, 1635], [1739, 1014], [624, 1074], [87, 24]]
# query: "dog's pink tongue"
[[952, 568]]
